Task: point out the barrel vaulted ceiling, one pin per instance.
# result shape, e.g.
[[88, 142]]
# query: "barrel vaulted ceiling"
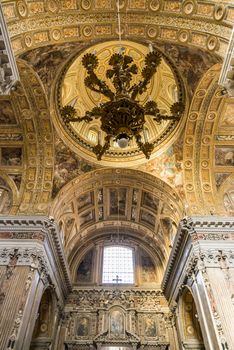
[[42, 173], [200, 24]]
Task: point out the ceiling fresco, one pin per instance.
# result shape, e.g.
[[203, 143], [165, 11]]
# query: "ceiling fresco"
[[68, 165], [47, 60], [7, 113], [42, 173], [136, 203], [165, 87], [190, 62], [168, 166]]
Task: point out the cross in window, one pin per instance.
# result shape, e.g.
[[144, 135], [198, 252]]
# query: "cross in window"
[[117, 279]]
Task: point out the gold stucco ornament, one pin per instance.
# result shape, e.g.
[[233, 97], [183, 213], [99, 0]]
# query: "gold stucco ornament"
[[123, 116]]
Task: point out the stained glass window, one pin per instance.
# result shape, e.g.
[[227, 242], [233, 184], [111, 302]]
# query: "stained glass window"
[[118, 265]]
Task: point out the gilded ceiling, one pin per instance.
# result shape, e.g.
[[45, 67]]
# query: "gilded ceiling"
[[200, 24], [43, 171], [117, 200], [164, 88]]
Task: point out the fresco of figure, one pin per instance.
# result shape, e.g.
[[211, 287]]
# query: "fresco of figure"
[[83, 327], [116, 323], [150, 327]]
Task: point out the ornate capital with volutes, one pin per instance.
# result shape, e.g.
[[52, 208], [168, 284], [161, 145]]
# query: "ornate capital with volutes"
[[35, 241], [201, 242]]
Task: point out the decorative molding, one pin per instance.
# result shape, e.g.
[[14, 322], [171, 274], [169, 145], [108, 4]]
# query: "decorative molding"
[[202, 241], [145, 299], [139, 308], [203, 246], [204, 25], [38, 245], [201, 192]]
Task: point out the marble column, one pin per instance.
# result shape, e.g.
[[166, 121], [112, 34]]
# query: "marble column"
[[202, 260], [31, 260]]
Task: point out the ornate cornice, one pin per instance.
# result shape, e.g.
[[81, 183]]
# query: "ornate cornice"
[[201, 242], [37, 243], [46, 22], [104, 298], [207, 223]]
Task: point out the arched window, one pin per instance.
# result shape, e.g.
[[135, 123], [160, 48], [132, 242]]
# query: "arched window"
[[93, 135], [118, 265]]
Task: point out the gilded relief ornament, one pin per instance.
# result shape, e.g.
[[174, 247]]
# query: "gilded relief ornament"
[[219, 12], [122, 117], [86, 4], [22, 8], [188, 7], [155, 5]]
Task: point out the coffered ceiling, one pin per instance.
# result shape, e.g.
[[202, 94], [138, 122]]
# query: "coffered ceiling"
[[44, 172]]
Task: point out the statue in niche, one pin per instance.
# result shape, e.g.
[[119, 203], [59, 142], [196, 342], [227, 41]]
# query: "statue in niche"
[[150, 327], [83, 327], [116, 323]]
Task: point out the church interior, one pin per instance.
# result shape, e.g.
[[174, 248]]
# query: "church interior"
[[116, 184]]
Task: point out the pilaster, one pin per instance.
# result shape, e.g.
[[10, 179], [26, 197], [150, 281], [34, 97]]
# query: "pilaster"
[[202, 260], [31, 260]]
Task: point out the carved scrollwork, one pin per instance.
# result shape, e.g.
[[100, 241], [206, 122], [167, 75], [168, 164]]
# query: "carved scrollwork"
[[117, 316], [25, 256], [209, 258], [187, 224], [15, 330], [106, 298]]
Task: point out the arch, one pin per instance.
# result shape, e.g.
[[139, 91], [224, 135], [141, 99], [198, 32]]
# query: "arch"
[[86, 203], [35, 128], [199, 141], [189, 328], [184, 22], [142, 247], [44, 327]]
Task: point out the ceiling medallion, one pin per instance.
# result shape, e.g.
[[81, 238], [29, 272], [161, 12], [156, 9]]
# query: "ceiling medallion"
[[122, 117]]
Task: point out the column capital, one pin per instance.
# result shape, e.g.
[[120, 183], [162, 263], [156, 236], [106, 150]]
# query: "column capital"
[[201, 242], [35, 241]]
